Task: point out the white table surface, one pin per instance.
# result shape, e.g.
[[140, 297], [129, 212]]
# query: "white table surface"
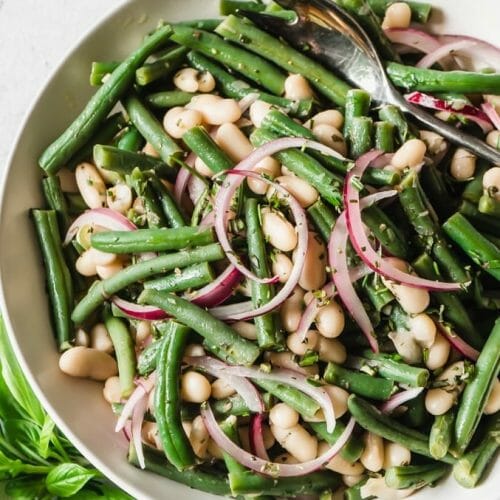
[[34, 37]]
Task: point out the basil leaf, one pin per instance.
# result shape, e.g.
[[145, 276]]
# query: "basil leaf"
[[98, 491], [67, 479], [25, 488], [45, 437]]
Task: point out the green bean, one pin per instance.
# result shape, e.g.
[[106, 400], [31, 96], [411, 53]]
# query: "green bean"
[[416, 415], [357, 104], [200, 24], [191, 277], [148, 358], [102, 102], [162, 67], [268, 335], [101, 290], [378, 294], [152, 130], [351, 451], [284, 56], [359, 383], [420, 11], [477, 390], [173, 213], [76, 204], [57, 275], [305, 167], [131, 140], [250, 65], [227, 7], [237, 89], [479, 249], [433, 80], [384, 136], [371, 419], [474, 188], [392, 114], [100, 69], [124, 162], [414, 476], [55, 198], [169, 98], [489, 206], [453, 311], [229, 345], [363, 13], [155, 461], [246, 482], [481, 221], [360, 135], [388, 367], [470, 467], [323, 218], [167, 397], [199, 142], [441, 434], [434, 185], [124, 351], [151, 240]]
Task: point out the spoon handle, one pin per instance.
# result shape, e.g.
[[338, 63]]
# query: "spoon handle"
[[453, 134]]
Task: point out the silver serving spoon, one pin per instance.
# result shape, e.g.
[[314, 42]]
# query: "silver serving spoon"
[[339, 42]]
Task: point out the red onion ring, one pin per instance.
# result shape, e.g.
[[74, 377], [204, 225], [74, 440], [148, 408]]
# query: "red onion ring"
[[400, 398], [491, 113], [457, 342], [137, 420], [104, 217], [144, 386], [444, 51], [245, 102], [256, 435], [136, 311], [467, 111], [362, 245], [240, 384], [264, 466], [182, 179], [196, 187]]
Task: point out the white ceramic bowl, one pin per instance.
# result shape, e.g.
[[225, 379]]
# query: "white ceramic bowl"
[[76, 405]]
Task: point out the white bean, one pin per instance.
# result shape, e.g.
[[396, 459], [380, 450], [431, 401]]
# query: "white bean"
[[215, 110], [101, 258], [233, 141], [438, 353], [268, 437], [373, 453], [105, 272], [214, 450], [119, 198], [412, 300], [406, 346], [493, 401], [297, 441], [202, 168], [90, 185], [206, 82], [85, 264], [243, 433], [194, 350], [186, 79], [281, 415], [330, 320], [177, 121], [88, 363], [82, 338], [463, 165], [287, 360], [149, 432], [375, 487], [278, 231], [493, 139], [352, 480], [397, 15], [423, 330], [330, 136], [410, 154], [112, 390], [301, 190], [149, 149], [100, 339], [291, 310], [331, 117], [258, 111], [331, 350], [199, 437], [286, 458], [299, 346], [435, 143], [195, 388], [439, 401], [339, 464], [221, 389], [143, 331], [268, 166], [491, 182], [313, 275], [297, 88], [396, 455], [282, 267], [339, 399], [246, 329]]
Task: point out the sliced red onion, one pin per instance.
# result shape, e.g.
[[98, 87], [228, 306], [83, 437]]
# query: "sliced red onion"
[[137, 311], [104, 217], [491, 113], [182, 179], [245, 102], [196, 187], [466, 110], [234, 312], [444, 51], [400, 398], [137, 420], [208, 220], [143, 388], [219, 290], [264, 466], [240, 384], [411, 37], [256, 435], [383, 160], [362, 245], [457, 343], [293, 379]]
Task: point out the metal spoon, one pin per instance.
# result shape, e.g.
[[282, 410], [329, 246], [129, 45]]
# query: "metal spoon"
[[336, 39]]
